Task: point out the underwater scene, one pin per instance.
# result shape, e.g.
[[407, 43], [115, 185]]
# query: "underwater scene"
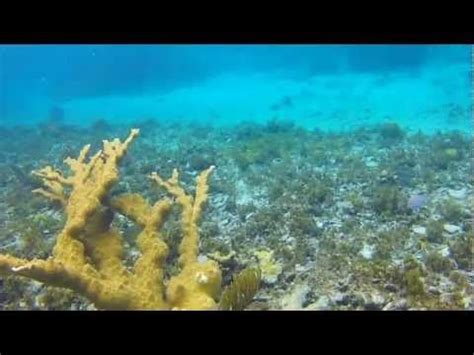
[[236, 177]]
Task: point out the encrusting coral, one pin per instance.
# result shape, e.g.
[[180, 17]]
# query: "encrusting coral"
[[87, 257]]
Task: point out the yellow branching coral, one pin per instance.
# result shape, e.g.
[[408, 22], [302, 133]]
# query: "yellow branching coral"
[[87, 257], [54, 189], [198, 282]]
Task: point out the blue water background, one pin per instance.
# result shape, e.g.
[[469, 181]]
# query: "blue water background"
[[329, 87]]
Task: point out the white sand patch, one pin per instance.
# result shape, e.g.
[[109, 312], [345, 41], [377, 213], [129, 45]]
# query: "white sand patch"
[[416, 100]]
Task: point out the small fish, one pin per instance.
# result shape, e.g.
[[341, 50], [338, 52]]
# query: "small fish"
[[284, 102], [416, 202]]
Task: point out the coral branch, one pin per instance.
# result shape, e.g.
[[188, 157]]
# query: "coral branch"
[[191, 211], [87, 255], [149, 266], [198, 284]]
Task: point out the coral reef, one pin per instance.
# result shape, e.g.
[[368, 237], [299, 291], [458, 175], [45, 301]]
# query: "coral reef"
[[372, 218], [87, 257]]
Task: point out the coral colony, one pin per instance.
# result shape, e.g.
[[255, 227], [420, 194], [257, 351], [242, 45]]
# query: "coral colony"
[[87, 257]]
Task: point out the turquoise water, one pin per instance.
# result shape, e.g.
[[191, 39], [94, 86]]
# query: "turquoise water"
[[339, 176], [328, 87]]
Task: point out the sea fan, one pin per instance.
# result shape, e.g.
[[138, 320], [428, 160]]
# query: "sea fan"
[[241, 292]]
